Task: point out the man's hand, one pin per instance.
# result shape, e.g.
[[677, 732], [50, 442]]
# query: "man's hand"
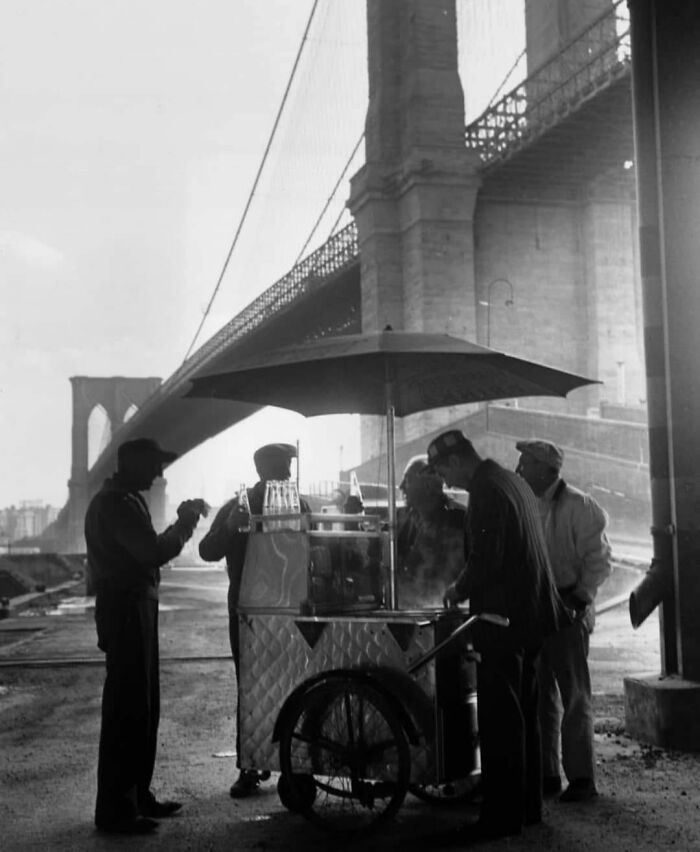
[[190, 511], [451, 597], [237, 520], [576, 605]]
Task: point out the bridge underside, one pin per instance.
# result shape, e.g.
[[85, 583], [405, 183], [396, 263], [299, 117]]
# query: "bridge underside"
[[592, 140], [182, 424]]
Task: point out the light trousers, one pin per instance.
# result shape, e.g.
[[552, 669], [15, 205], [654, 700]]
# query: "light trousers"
[[565, 703]]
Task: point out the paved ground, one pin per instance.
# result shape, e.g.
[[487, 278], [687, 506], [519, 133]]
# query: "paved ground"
[[49, 725]]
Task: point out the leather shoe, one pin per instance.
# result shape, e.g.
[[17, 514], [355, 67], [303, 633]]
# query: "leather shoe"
[[160, 810], [579, 790], [131, 825], [551, 785], [246, 784]]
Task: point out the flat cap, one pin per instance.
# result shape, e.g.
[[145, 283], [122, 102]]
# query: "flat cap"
[[271, 451], [453, 441], [544, 451], [144, 447]]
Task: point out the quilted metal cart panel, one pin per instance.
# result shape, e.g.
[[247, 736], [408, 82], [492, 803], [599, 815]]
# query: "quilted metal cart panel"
[[280, 651]]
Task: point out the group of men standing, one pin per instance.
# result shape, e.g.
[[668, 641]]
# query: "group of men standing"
[[535, 552]]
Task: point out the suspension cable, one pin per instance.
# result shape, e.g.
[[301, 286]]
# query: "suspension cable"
[[335, 224], [330, 199], [257, 178], [505, 79]]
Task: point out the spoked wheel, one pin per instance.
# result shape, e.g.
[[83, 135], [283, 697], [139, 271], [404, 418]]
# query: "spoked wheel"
[[298, 793], [450, 793], [344, 757]]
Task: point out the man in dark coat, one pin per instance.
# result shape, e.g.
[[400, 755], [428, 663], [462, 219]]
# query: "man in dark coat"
[[124, 555], [228, 537], [507, 573]]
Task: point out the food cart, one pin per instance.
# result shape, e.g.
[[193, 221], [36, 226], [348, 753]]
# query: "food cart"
[[339, 693], [340, 689]]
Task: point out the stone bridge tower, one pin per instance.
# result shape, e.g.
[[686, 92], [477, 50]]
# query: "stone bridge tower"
[[116, 395], [413, 200]]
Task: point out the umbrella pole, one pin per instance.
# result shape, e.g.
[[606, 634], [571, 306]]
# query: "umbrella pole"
[[391, 470]]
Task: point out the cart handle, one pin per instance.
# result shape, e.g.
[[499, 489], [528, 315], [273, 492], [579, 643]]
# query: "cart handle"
[[492, 617]]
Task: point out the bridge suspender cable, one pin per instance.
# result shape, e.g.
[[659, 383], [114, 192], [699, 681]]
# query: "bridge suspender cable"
[[257, 178], [329, 200], [505, 79]]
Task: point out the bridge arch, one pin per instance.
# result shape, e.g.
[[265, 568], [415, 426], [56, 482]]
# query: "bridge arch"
[[116, 397], [99, 433]]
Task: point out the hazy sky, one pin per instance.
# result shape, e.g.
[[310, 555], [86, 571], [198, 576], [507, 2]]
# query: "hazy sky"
[[131, 133]]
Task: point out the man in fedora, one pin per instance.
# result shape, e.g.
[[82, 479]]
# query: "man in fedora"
[[579, 552], [228, 538], [506, 573], [124, 555]]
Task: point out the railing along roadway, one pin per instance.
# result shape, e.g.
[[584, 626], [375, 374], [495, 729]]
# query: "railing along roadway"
[[600, 55]]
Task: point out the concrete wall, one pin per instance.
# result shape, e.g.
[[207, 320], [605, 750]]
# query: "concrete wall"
[[609, 459], [574, 287]]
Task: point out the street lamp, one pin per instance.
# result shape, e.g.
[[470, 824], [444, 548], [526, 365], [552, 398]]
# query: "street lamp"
[[508, 302]]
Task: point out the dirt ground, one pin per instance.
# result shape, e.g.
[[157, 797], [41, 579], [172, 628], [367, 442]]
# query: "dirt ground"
[[49, 726]]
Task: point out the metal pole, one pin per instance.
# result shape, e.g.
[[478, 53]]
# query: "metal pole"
[[391, 476], [645, 106]]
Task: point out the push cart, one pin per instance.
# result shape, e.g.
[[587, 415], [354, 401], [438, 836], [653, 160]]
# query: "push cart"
[[332, 693], [353, 703]]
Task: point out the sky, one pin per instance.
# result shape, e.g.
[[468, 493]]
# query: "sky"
[[131, 135]]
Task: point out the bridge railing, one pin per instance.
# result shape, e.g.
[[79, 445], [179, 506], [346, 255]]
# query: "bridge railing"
[[599, 55], [339, 252]]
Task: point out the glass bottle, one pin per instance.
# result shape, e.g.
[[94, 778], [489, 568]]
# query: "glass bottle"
[[244, 504], [268, 506]]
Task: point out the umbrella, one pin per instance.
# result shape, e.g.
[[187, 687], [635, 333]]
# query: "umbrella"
[[389, 372]]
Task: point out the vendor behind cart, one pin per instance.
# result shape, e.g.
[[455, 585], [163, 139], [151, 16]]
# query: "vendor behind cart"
[[430, 541], [228, 537]]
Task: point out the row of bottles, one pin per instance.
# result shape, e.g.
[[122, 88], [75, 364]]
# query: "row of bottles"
[[281, 498]]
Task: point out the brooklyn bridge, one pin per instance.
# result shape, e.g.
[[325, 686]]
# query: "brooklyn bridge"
[[526, 222], [554, 226]]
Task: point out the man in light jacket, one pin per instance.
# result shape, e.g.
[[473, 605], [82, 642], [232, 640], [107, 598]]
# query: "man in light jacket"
[[579, 552]]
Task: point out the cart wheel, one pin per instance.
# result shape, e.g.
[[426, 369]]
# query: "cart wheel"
[[346, 738], [450, 793], [297, 794]]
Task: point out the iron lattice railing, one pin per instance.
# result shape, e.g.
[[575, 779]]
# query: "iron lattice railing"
[[335, 255], [600, 55]]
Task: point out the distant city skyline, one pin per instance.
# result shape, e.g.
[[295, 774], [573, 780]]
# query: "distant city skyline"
[[27, 519]]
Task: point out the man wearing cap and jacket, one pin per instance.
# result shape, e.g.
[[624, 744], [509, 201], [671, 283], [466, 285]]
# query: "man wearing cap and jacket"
[[506, 573], [227, 537], [124, 555], [579, 552]]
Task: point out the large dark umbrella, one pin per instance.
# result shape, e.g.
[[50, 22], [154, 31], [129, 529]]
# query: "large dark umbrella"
[[387, 372]]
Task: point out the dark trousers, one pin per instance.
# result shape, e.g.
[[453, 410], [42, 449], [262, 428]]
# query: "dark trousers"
[[127, 631], [509, 733]]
